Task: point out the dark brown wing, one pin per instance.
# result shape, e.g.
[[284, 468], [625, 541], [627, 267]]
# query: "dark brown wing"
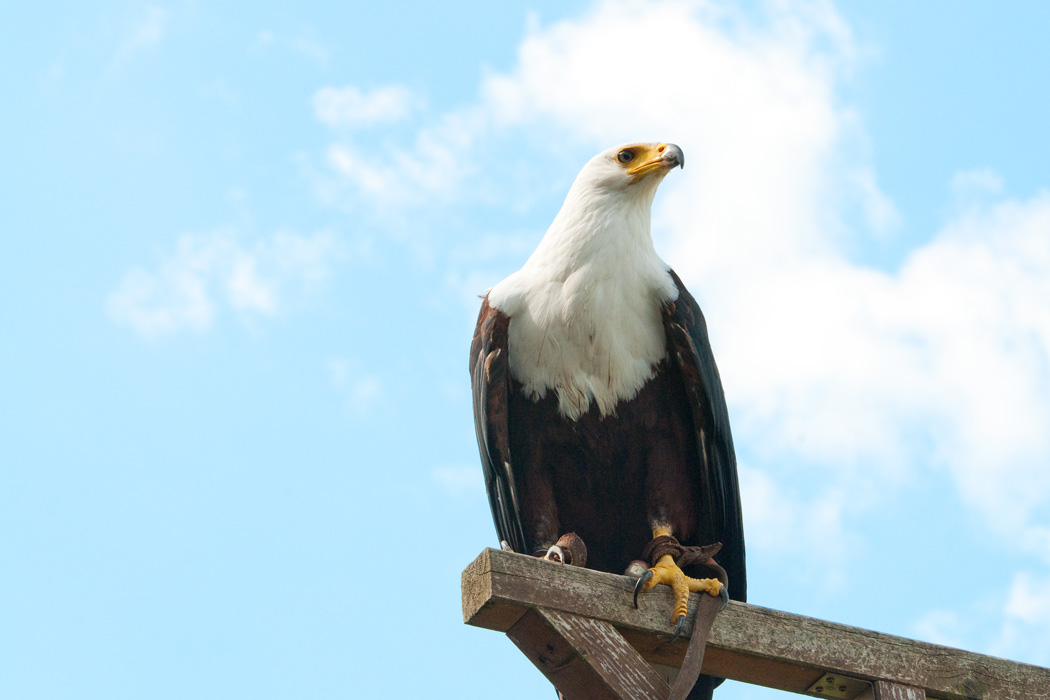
[[720, 519], [490, 382]]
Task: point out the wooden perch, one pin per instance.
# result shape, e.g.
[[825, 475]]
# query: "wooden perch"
[[578, 626]]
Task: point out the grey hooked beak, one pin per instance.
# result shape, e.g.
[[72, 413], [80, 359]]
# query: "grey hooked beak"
[[673, 154]]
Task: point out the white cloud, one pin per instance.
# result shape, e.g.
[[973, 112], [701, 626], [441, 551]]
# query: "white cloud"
[[802, 532], [942, 627], [879, 211], [349, 106], [1026, 631], [392, 177], [779, 520], [1029, 600], [862, 374], [208, 272], [945, 359]]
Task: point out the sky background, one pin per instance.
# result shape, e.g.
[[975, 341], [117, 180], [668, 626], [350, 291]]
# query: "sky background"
[[241, 251]]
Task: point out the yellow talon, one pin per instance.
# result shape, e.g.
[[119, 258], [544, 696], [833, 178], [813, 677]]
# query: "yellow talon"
[[665, 571], [711, 586]]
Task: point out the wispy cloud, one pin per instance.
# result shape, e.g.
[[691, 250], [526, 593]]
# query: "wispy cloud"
[[794, 529], [944, 361], [207, 273], [145, 33], [1009, 617], [1026, 631], [1029, 600], [942, 627], [304, 43], [350, 107], [976, 188], [363, 390], [861, 374], [387, 175]]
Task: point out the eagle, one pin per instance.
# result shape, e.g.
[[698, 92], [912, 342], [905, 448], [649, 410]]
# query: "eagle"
[[598, 406]]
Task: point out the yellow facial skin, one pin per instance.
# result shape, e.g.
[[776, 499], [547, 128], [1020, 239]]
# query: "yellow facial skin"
[[647, 159]]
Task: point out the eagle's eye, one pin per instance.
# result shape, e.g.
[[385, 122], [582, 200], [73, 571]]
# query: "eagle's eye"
[[625, 156]]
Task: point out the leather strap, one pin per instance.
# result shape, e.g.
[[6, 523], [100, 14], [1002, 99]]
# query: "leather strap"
[[707, 607]]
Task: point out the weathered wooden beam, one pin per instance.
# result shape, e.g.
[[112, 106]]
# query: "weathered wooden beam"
[[747, 643], [895, 691], [585, 659]]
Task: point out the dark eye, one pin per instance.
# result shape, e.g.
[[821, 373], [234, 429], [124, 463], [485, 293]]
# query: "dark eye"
[[625, 156]]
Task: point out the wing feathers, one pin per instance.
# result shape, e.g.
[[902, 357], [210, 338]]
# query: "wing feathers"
[[721, 518], [490, 382]]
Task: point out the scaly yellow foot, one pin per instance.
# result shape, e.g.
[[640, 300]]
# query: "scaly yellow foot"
[[665, 571], [668, 573]]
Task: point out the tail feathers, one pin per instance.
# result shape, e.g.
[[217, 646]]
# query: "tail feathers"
[[704, 688]]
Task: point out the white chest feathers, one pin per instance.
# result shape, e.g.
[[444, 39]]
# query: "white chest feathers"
[[587, 335]]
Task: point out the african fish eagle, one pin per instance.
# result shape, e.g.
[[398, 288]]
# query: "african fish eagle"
[[598, 406]]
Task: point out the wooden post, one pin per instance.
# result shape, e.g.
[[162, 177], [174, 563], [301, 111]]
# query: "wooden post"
[[585, 658], [894, 691], [577, 610]]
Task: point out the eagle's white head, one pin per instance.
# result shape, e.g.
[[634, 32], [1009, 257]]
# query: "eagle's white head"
[[585, 308], [630, 171], [615, 189]]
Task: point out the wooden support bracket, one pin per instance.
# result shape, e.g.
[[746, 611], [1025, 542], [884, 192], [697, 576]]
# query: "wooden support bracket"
[[578, 626], [585, 658]]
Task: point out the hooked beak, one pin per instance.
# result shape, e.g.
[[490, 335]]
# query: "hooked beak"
[[666, 156]]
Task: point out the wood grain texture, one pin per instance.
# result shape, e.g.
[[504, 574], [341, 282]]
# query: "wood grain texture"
[[747, 643], [895, 691], [585, 658]]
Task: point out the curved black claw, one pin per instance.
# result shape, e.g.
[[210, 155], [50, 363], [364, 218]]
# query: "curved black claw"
[[724, 595], [679, 627], [639, 583]]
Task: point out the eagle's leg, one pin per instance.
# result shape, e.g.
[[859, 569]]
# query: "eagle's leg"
[[569, 549], [540, 515], [667, 572]]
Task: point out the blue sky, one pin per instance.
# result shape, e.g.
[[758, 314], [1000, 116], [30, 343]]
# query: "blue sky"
[[241, 253]]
